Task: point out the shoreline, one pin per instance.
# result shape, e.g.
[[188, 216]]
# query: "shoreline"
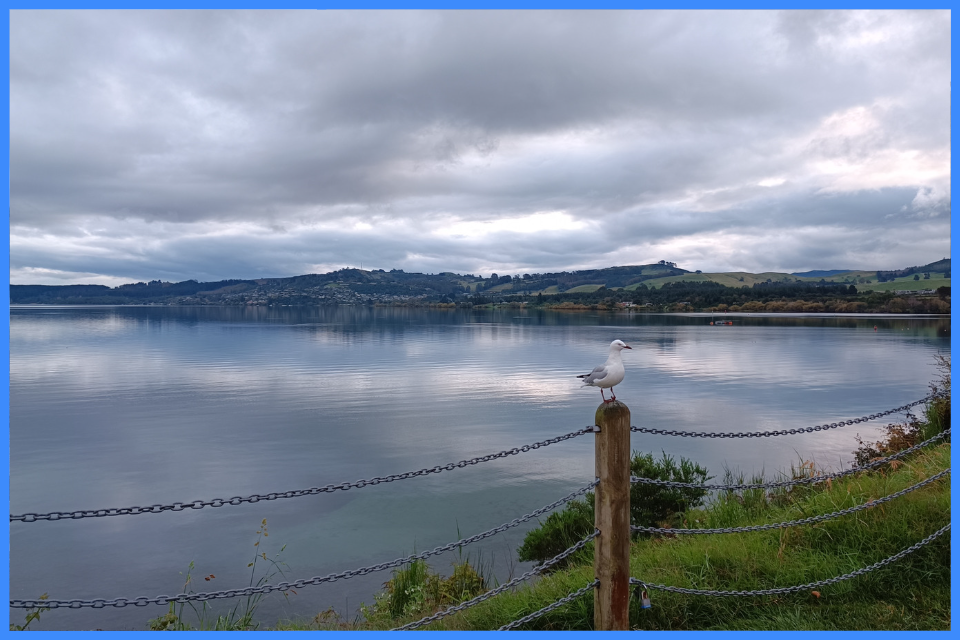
[[519, 307]]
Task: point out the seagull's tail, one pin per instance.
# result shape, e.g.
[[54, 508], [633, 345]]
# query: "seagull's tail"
[[584, 375]]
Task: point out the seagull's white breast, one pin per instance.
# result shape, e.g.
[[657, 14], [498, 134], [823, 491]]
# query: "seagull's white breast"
[[612, 372], [615, 373]]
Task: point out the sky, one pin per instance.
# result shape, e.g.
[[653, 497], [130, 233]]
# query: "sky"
[[211, 145]]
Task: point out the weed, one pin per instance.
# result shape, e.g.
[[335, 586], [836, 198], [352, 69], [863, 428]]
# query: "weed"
[[32, 614], [902, 435], [241, 617], [415, 591]]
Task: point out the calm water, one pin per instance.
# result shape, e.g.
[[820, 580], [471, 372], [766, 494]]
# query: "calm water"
[[123, 406]]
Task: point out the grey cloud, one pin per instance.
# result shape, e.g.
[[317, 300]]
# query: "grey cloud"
[[882, 212], [661, 122]]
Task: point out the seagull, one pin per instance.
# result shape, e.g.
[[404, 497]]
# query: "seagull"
[[610, 373]]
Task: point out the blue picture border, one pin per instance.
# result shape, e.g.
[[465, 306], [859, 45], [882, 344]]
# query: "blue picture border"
[[5, 338]]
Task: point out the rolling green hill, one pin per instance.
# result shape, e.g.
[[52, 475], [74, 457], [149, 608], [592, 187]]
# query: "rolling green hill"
[[863, 280], [356, 286], [729, 279]]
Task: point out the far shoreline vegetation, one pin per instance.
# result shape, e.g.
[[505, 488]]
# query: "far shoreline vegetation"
[[660, 287]]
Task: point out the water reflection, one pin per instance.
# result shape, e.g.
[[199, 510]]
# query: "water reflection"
[[140, 405]]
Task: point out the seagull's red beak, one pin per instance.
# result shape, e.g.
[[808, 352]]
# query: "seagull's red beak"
[[626, 346]]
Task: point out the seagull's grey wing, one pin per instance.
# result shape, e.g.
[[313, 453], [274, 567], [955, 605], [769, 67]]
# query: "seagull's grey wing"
[[597, 374]]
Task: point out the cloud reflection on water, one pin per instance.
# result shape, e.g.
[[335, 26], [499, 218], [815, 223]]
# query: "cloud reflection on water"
[[115, 407]]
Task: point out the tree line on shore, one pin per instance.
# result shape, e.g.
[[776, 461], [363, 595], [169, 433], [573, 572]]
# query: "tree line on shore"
[[796, 297]]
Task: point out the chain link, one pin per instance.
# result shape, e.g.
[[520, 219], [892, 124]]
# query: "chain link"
[[296, 493], [550, 607], [787, 483], [793, 523], [799, 587], [501, 588], [285, 586], [782, 432]]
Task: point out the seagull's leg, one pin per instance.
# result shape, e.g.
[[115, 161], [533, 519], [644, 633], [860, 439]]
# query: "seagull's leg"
[[601, 394], [612, 394]]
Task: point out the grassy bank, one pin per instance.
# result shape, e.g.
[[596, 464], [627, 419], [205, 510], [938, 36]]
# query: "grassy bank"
[[912, 593]]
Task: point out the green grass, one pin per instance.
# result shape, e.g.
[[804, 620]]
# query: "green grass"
[[743, 278], [912, 593], [906, 284], [733, 279], [726, 279], [584, 288]]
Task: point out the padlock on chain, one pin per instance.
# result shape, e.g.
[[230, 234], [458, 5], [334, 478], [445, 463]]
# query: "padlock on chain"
[[643, 597]]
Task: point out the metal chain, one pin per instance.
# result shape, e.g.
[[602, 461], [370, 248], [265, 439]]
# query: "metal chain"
[[550, 607], [330, 488], [787, 483], [783, 432], [799, 587], [296, 493], [792, 523], [285, 586], [501, 588]]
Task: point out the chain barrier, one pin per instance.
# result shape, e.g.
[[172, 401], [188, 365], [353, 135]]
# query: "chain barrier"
[[811, 520], [787, 483], [782, 432], [501, 588], [285, 586], [296, 493], [330, 488], [799, 587], [550, 607]]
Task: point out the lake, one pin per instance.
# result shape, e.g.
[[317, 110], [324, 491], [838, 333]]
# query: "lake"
[[123, 406]]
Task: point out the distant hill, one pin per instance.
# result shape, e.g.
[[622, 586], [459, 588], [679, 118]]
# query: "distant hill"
[[346, 286], [940, 265], [356, 286], [933, 275]]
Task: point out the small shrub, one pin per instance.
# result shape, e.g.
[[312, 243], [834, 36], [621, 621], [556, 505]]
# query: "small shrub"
[[408, 589], [560, 531], [465, 583], [902, 435], [650, 505], [415, 590], [937, 412]]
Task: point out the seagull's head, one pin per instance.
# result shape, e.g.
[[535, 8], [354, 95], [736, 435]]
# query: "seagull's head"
[[619, 345]]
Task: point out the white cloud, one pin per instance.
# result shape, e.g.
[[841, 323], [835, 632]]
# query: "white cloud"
[[40, 275], [545, 222]]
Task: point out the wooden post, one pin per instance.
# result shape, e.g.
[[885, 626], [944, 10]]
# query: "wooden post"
[[611, 563]]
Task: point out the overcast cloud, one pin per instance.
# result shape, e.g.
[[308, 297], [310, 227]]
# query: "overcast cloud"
[[212, 145]]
